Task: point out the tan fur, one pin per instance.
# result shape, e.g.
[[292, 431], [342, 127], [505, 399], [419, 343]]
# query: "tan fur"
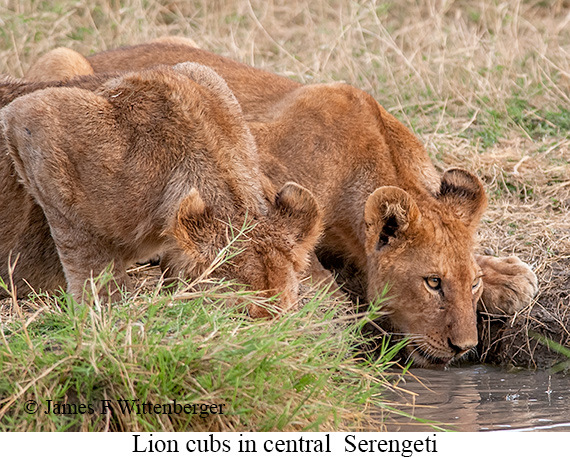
[[59, 64], [152, 161], [340, 143], [502, 294], [176, 40]]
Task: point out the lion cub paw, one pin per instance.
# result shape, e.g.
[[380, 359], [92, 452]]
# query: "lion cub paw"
[[509, 284]]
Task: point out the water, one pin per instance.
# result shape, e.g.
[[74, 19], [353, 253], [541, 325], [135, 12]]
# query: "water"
[[482, 398]]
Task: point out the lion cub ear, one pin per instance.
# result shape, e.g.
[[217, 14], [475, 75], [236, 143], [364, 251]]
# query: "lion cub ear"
[[389, 213], [188, 218], [465, 194], [303, 217]]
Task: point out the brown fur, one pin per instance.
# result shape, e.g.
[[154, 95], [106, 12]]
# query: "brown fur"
[[25, 239], [340, 143], [152, 161], [502, 294]]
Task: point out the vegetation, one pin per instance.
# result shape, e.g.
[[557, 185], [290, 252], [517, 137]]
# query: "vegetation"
[[298, 372]]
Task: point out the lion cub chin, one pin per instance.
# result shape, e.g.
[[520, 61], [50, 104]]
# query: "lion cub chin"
[[158, 161]]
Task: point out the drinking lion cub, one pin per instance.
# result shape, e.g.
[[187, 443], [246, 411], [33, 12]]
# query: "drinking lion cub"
[[159, 160]]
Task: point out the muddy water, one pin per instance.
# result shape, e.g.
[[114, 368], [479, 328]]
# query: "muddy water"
[[482, 398]]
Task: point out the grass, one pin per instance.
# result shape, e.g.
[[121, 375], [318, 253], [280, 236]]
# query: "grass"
[[562, 366], [299, 372]]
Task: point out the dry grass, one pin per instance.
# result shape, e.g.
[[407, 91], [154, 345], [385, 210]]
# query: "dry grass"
[[485, 85]]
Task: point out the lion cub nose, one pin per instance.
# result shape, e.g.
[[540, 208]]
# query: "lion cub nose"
[[461, 347]]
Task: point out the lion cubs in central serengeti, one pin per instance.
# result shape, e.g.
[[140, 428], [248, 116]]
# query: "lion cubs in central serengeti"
[[158, 161]]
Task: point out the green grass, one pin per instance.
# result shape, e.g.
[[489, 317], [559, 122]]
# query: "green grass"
[[563, 351], [517, 115], [298, 372]]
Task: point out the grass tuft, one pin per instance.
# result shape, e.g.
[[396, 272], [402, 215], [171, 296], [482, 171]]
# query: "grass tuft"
[[302, 371]]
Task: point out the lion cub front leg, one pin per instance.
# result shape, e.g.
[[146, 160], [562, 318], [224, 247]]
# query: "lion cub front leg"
[[83, 255], [48, 174], [508, 284]]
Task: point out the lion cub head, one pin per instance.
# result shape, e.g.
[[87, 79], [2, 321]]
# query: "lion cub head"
[[267, 252], [421, 250]]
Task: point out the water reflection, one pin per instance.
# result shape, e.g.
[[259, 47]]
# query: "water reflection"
[[481, 397]]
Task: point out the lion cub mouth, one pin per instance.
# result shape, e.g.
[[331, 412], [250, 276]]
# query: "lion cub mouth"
[[423, 358]]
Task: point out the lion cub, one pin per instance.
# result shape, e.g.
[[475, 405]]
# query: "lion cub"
[[153, 161]]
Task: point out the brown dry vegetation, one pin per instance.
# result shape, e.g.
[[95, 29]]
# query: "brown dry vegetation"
[[485, 85]]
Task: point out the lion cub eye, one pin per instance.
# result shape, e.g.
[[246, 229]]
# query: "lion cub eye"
[[433, 282], [476, 284]]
